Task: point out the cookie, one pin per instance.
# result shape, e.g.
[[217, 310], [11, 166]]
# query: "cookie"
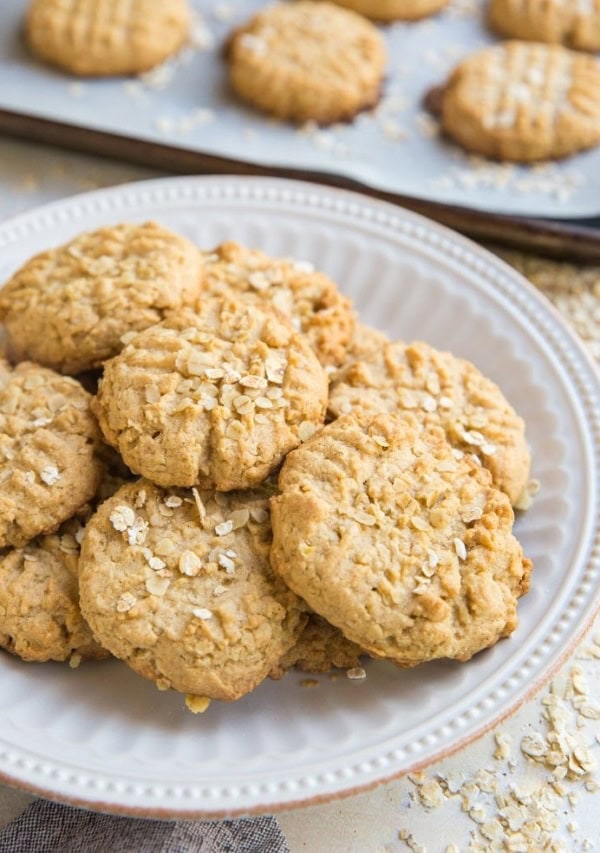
[[68, 308], [312, 300], [405, 548], [40, 618], [575, 23], [393, 10], [524, 102], [365, 341], [178, 585], [106, 37], [320, 648], [307, 61], [49, 451], [440, 389], [213, 398]]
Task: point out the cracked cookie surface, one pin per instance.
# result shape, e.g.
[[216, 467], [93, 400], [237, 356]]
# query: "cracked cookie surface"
[[405, 548], [178, 585], [68, 308], [214, 398]]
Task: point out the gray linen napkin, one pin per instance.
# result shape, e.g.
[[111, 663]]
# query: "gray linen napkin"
[[53, 828]]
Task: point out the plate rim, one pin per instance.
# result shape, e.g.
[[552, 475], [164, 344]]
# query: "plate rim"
[[259, 190]]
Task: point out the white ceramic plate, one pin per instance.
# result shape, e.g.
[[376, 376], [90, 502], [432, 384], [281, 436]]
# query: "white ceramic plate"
[[103, 737]]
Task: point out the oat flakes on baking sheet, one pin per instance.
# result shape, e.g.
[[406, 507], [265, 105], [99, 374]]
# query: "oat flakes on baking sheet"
[[395, 147]]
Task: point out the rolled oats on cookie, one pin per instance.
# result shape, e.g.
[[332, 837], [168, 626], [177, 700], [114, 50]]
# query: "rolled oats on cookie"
[[178, 584], [40, 617], [69, 308], [213, 398], [50, 448], [440, 389], [106, 37], [307, 61], [524, 102], [404, 547], [308, 297]]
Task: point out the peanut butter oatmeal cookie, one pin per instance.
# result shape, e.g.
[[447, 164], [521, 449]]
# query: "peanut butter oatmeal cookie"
[[440, 389], [68, 308], [308, 61], [320, 648], [40, 618], [365, 342], [309, 298], [49, 447], [575, 23], [178, 584], [393, 10], [106, 37], [392, 538], [213, 398], [524, 102]]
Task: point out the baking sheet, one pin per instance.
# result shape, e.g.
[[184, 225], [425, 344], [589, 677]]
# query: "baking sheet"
[[396, 148]]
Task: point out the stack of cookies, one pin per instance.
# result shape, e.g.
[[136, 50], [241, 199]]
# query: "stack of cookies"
[[256, 481]]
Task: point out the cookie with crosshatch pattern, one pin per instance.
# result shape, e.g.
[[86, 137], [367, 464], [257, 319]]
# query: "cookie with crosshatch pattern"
[[178, 584], [524, 102], [575, 23], [213, 397], [439, 389], [307, 61], [394, 10], [404, 547], [106, 37]]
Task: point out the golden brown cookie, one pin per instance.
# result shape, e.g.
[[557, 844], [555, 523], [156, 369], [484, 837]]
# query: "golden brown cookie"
[[365, 342], [40, 618], [309, 298], [393, 10], [49, 451], [213, 398], [524, 102], [68, 308], [178, 585], [106, 37], [440, 389], [405, 548], [307, 61], [575, 23], [320, 648]]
